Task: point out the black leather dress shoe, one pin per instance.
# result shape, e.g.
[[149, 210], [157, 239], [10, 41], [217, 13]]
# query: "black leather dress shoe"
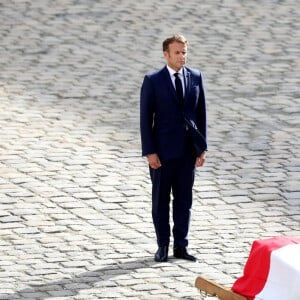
[[183, 254], [161, 254]]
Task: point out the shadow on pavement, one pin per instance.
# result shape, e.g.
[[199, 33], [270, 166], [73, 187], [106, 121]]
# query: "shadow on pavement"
[[67, 287]]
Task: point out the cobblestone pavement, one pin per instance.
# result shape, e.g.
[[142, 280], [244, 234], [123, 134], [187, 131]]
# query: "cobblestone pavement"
[[75, 210]]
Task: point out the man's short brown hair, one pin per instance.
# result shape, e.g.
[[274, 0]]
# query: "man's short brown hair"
[[179, 38]]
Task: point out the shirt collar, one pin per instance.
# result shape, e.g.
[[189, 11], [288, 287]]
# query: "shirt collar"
[[172, 72]]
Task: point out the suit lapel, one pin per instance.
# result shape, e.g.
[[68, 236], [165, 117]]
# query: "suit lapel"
[[169, 83], [187, 82]]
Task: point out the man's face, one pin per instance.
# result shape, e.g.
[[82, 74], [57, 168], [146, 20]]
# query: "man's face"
[[176, 56]]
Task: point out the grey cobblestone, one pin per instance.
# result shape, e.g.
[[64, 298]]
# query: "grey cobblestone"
[[75, 211]]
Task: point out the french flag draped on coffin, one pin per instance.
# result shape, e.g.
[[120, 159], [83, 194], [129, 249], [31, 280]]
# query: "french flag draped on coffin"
[[272, 271]]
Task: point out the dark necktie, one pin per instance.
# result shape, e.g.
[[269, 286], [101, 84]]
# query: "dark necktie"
[[179, 90]]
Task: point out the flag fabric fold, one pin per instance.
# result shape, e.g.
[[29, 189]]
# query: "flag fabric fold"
[[272, 271]]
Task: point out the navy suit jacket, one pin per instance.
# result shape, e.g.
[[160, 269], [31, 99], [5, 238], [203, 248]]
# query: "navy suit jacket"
[[163, 122]]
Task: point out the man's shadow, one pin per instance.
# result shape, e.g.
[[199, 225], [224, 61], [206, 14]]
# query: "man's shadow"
[[71, 286]]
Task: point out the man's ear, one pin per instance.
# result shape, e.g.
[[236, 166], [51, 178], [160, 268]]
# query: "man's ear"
[[166, 54]]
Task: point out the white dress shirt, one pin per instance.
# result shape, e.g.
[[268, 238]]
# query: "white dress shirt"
[[180, 72]]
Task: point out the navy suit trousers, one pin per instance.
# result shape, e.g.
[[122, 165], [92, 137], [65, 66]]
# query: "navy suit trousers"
[[174, 178]]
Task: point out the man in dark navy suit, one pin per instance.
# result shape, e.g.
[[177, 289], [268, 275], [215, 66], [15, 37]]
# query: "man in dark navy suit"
[[173, 136]]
